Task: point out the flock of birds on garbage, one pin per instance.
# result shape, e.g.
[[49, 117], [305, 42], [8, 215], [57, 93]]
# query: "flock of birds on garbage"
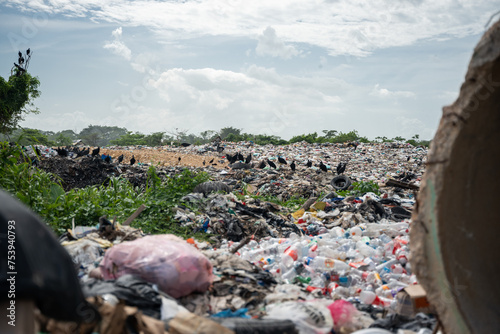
[[237, 157], [75, 152]]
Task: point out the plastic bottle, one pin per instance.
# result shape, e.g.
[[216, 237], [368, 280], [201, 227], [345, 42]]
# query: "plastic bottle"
[[402, 255], [374, 278], [367, 297], [322, 263], [397, 269], [291, 254], [391, 229], [296, 270], [364, 249], [258, 253], [337, 232], [356, 231], [387, 264]]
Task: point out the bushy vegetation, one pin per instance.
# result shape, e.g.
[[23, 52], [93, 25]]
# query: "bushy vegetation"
[[17, 94], [42, 192], [360, 188]]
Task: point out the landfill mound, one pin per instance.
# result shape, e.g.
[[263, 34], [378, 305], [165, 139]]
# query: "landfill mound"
[[78, 173], [336, 259]]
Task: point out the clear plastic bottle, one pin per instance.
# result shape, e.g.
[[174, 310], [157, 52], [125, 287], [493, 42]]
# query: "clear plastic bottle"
[[386, 264], [402, 255], [291, 254], [321, 263], [296, 270], [364, 249]]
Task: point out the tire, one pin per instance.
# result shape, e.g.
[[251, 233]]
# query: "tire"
[[341, 182]]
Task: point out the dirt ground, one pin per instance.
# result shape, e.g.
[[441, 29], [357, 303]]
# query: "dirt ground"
[[167, 158]]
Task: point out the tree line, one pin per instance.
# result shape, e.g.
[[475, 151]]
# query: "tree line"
[[98, 135]]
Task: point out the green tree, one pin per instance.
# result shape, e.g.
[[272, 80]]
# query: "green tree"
[[266, 139], [225, 132], [329, 134], [67, 133], [17, 95], [310, 138], [398, 138], [207, 135], [98, 135], [382, 139], [130, 139], [62, 140], [92, 138], [33, 137], [154, 139]]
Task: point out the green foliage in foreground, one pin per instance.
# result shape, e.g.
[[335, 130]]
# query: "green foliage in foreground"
[[43, 193], [360, 188]]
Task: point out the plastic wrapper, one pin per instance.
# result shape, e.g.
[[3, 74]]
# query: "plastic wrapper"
[[308, 317], [166, 260]]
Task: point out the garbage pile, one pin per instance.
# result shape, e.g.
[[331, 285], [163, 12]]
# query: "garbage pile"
[[364, 162], [333, 264]]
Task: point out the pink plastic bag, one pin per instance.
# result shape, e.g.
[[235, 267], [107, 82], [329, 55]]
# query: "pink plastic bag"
[[342, 312], [166, 260]]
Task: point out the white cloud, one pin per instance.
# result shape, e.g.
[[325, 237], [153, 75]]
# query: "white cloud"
[[385, 93], [340, 27], [448, 96], [215, 98], [407, 127], [270, 45], [117, 46]]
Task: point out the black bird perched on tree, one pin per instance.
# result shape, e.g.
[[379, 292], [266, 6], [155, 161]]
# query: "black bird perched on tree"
[[249, 158], [28, 52], [120, 159], [281, 160], [341, 168], [309, 163], [96, 151], [271, 164], [132, 161], [322, 166], [292, 166], [262, 164]]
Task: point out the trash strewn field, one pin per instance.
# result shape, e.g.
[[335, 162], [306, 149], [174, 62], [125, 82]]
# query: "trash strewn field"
[[316, 244]]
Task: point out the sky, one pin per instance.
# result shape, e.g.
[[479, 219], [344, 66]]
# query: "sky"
[[283, 68]]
